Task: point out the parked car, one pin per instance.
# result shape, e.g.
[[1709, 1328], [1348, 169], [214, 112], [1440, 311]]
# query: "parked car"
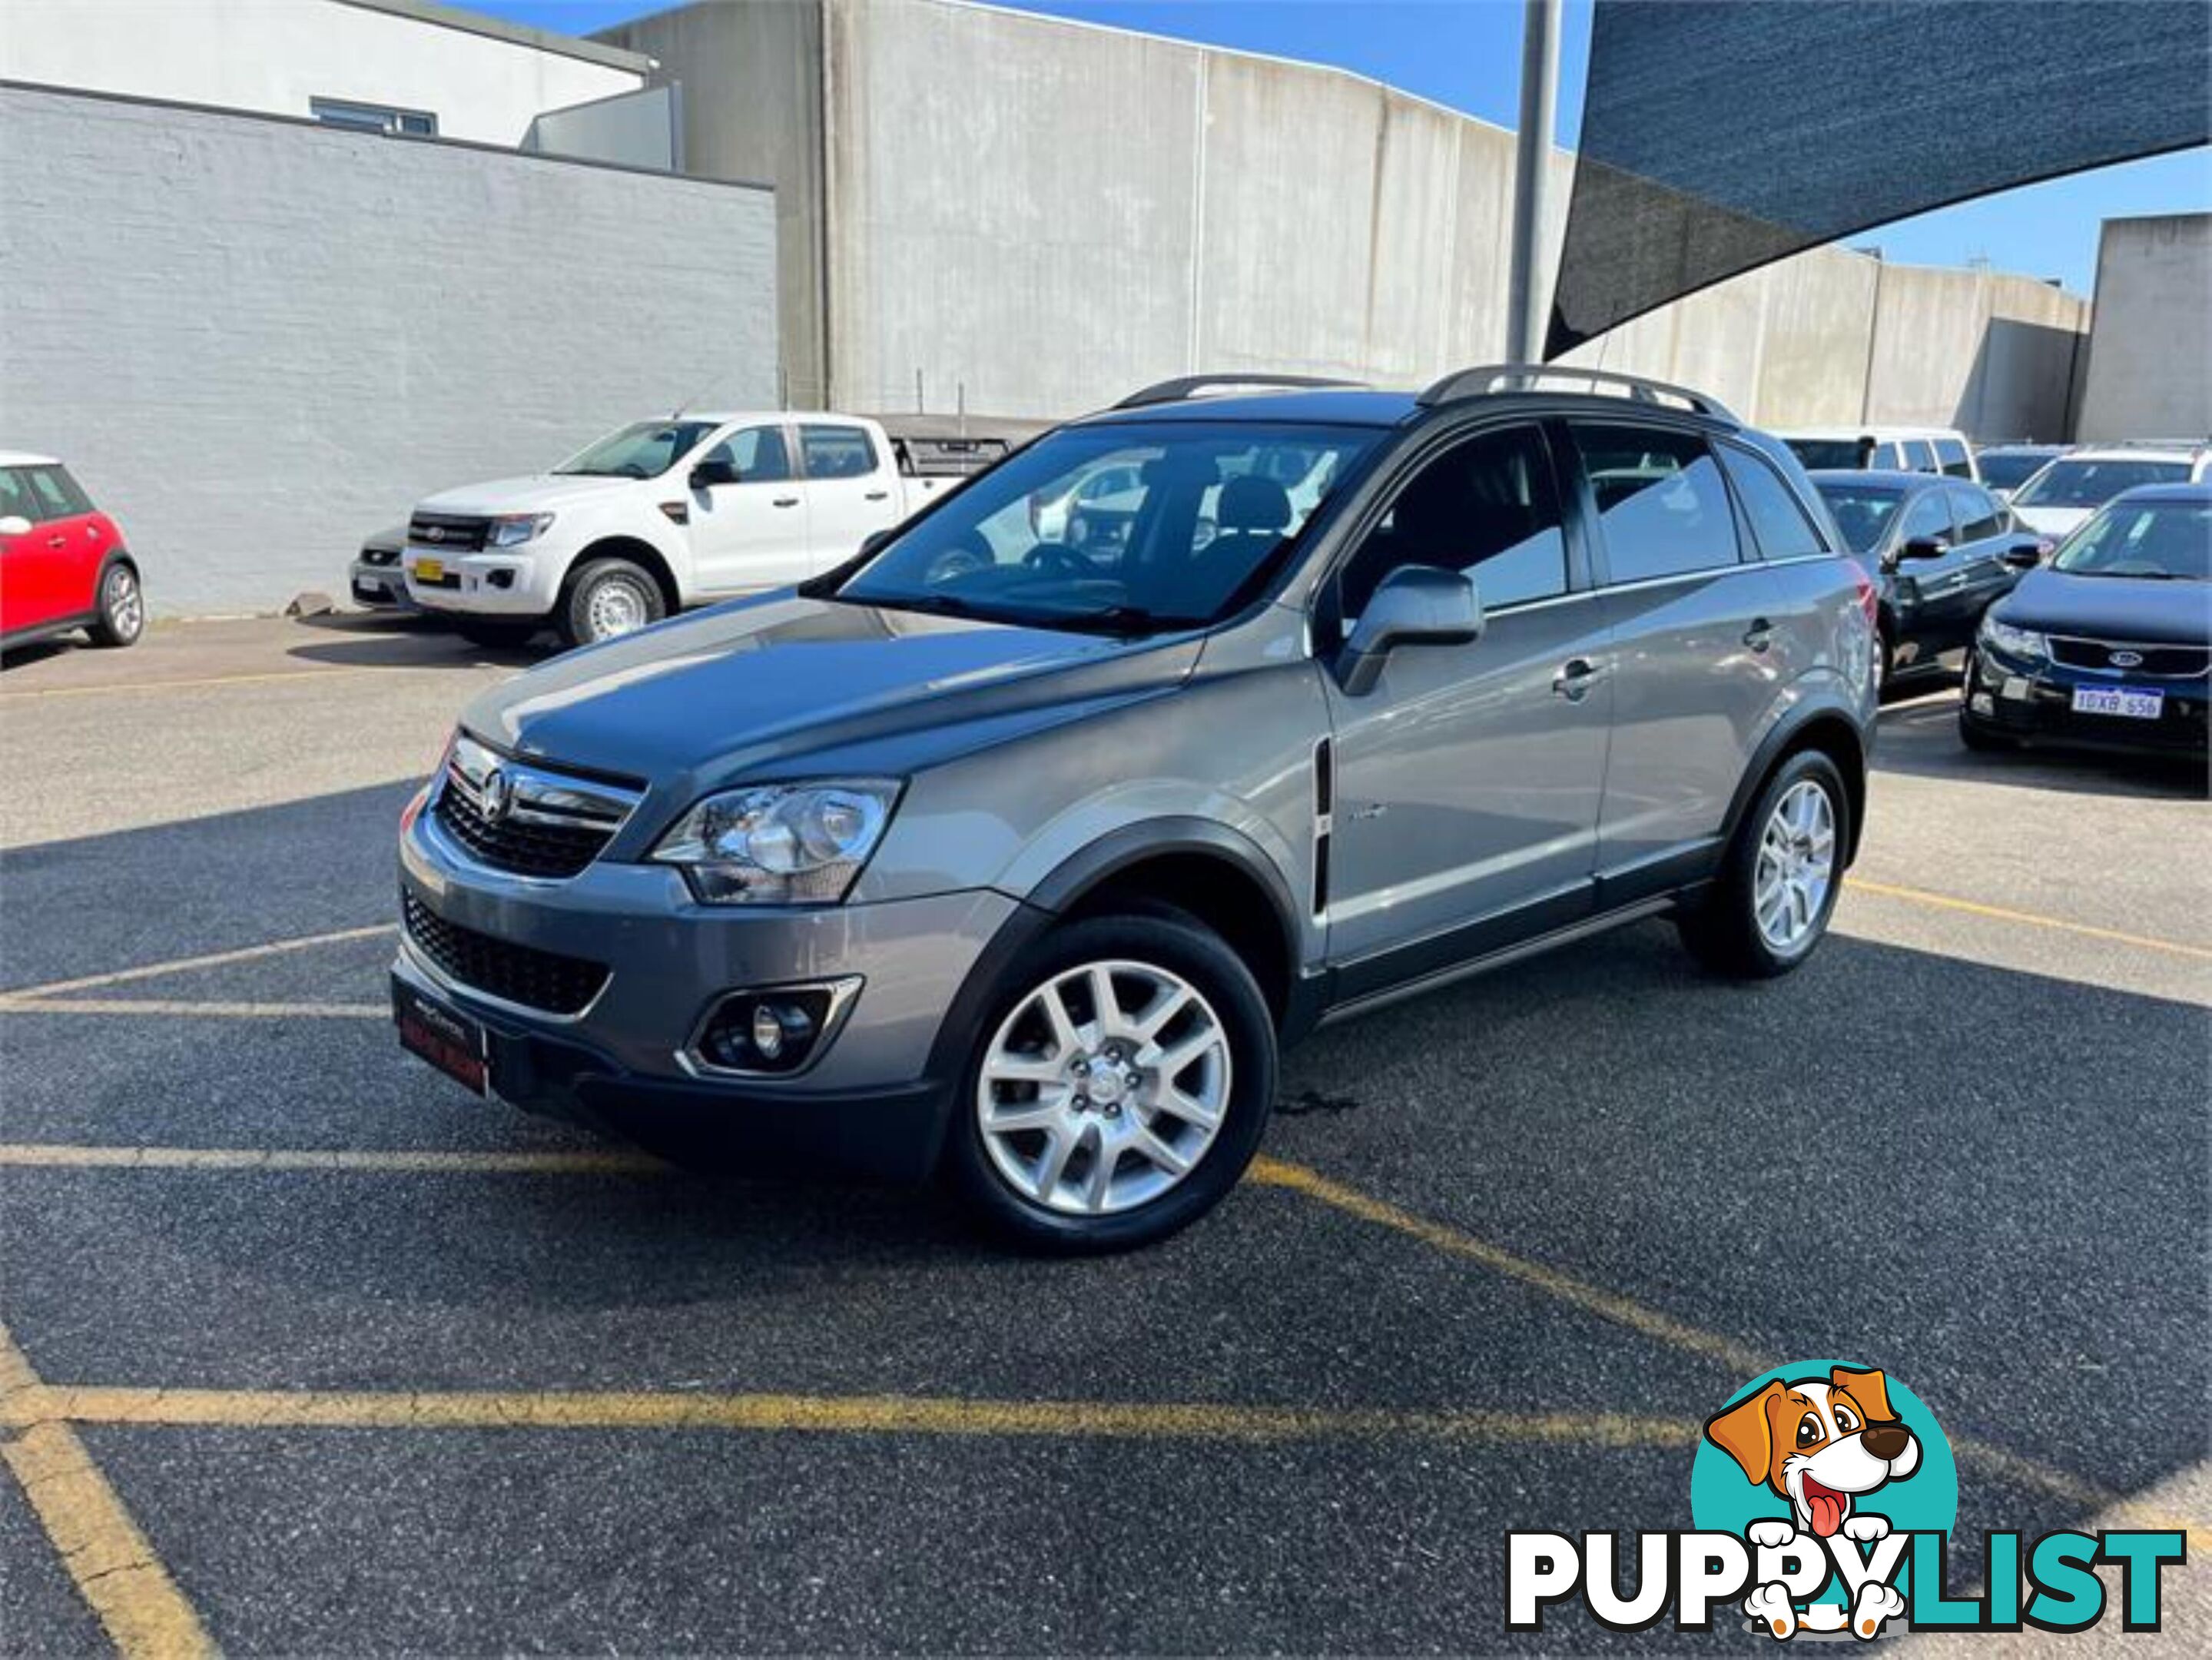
[[2111, 644], [665, 515], [1942, 551], [2005, 467], [378, 579], [1885, 449], [2058, 500], [1025, 871], [63, 562]]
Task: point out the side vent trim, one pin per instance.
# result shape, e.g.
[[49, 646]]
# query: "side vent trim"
[[1324, 768]]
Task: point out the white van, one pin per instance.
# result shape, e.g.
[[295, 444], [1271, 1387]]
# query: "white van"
[[1885, 449]]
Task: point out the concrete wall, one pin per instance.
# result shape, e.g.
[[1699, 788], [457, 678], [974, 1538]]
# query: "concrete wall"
[[1042, 213], [2150, 351], [485, 82], [287, 334], [641, 128]]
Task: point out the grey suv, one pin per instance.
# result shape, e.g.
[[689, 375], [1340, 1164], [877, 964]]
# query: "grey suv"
[[990, 854]]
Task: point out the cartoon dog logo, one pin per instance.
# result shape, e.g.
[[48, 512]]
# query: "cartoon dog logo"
[[1824, 1444]]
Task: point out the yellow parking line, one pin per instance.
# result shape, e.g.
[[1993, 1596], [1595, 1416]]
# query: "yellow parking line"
[[111, 1562], [398, 1161], [2000, 913], [1743, 1361], [206, 1010], [1665, 1328], [873, 1414], [183, 965], [257, 679]]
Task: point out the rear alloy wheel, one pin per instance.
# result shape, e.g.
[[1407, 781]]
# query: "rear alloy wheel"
[[1778, 887], [122, 616], [1121, 1087], [608, 598]]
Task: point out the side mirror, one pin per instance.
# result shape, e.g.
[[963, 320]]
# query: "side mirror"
[[15, 524], [709, 473], [2024, 555], [1414, 605], [1923, 547]]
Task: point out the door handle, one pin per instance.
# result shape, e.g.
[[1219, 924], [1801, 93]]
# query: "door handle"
[[785, 501], [58, 541], [879, 495], [1575, 678], [1759, 635]]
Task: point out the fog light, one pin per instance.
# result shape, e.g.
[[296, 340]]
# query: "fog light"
[[768, 1031], [1984, 703], [501, 579]]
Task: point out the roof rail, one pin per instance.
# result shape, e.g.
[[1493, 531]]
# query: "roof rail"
[[1523, 377], [1198, 386]]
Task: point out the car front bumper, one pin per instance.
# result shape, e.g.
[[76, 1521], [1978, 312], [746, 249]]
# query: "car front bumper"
[[523, 582], [2019, 697], [380, 587], [872, 1096]]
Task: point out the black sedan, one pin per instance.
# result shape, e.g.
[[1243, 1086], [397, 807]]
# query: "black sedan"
[[2110, 645], [1941, 550]]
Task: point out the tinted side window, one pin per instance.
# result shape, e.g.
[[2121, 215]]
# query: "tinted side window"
[[1886, 458], [1661, 500], [1927, 515], [1488, 507], [1951, 456], [836, 451], [759, 453], [58, 495], [16, 498], [1920, 455], [1778, 525], [1978, 512]]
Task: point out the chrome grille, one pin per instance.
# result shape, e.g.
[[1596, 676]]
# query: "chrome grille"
[[499, 968], [510, 816], [2158, 662]]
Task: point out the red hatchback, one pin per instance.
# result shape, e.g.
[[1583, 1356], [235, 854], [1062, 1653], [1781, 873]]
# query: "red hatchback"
[[63, 564]]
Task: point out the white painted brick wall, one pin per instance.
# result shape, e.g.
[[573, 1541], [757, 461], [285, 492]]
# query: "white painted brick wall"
[[257, 341]]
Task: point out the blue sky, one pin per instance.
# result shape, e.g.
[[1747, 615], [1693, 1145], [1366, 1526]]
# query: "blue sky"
[[1467, 54]]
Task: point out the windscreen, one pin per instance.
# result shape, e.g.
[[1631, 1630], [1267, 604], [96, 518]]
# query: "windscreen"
[[2092, 483], [1119, 527], [1862, 513], [1718, 136], [644, 451], [2005, 470], [2162, 540]]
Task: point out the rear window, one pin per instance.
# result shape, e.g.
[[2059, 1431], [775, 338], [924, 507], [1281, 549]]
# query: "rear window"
[[1951, 456], [2008, 470], [1832, 452], [57, 494], [1864, 512], [1661, 500]]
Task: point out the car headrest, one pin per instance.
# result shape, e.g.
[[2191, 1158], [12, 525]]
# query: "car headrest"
[[1254, 505]]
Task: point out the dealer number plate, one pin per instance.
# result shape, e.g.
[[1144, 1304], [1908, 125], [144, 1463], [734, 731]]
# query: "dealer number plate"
[[429, 570]]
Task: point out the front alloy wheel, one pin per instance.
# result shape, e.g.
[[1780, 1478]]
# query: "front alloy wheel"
[[1121, 1081], [1796, 866], [122, 615], [1777, 888]]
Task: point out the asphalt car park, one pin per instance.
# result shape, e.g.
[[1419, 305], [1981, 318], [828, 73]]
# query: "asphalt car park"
[[304, 1350]]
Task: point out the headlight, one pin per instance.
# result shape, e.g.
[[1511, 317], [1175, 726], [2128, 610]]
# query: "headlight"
[[2012, 641], [514, 531], [780, 844]]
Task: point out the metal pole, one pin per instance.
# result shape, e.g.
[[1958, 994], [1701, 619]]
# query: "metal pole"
[[1539, 95]]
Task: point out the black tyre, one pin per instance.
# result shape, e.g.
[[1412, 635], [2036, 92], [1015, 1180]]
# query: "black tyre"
[[1778, 884], [1081, 1129], [1885, 664], [606, 599], [122, 605], [497, 636]]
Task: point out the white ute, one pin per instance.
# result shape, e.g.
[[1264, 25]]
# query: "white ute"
[[668, 514]]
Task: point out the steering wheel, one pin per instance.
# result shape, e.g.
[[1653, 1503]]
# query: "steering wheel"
[[1057, 559]]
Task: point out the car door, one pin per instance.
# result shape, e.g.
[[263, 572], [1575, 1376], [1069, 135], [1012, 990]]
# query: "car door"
[[751, 534], [1695, 624], [70, 540], [1467, 778], [1985, 531], [852, 491], [1929, 596], [34, 587]]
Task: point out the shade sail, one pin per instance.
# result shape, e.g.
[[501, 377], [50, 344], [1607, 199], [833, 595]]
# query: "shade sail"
[[1718, 136]]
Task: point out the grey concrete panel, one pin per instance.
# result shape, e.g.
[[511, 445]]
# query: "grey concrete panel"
[[2149, 373], [257, 341], [1819, 315]]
